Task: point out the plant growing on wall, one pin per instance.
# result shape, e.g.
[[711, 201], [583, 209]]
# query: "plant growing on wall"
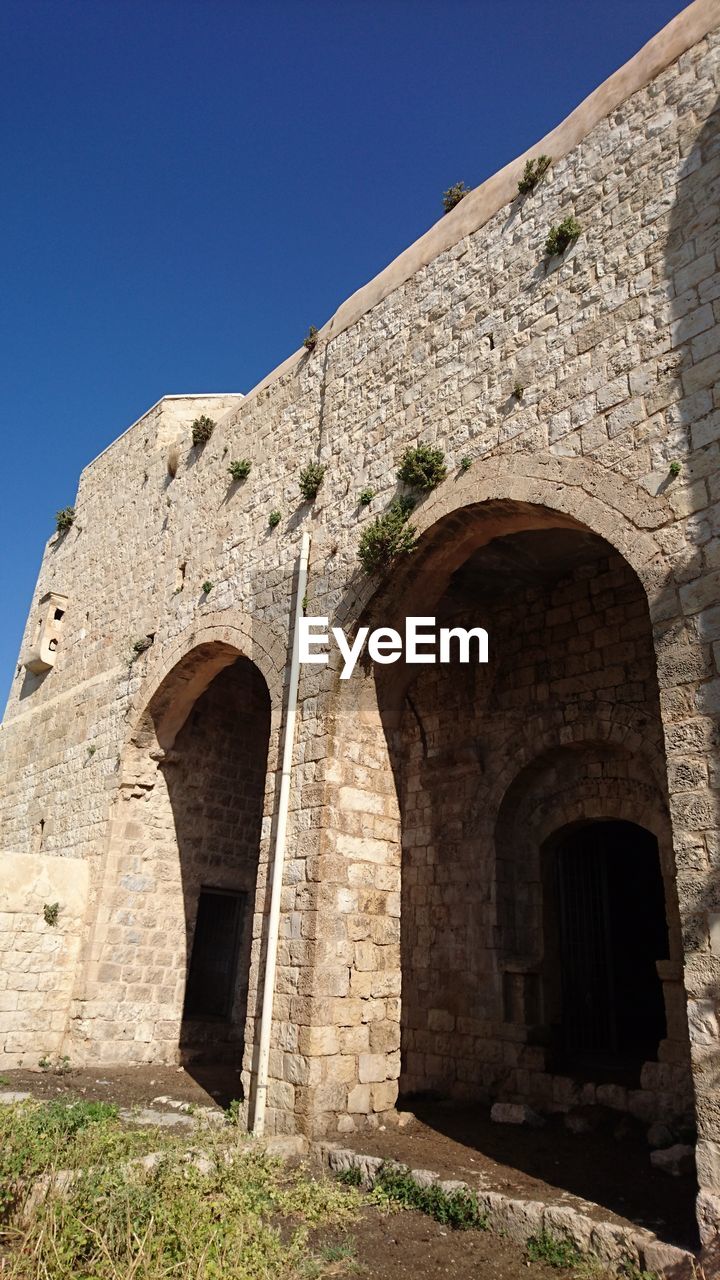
[[561, 236], [51, 912], [532, 173], [366, 497], [64, 519], [240, 470], [311, 477], [139, 646], [207, 587], [454, 195], [311, 340], [465, 464], [389, 537], [274, 519], [675, 468], [422, 467], [202, 429], [518, 391]]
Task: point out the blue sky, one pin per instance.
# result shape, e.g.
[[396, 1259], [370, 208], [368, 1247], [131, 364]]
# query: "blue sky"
[[189, 185]]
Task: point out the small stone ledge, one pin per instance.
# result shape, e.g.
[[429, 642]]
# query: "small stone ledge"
[[611, 1242]]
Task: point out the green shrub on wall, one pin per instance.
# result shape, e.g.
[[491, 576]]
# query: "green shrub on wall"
[[64, 519], [202, 429], [388, 538], [422, 467], [561, 236], [311, 477]]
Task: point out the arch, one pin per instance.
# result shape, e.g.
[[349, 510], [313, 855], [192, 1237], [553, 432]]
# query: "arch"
[[536, 490], [455, 751], [180, 667], [188, 843]]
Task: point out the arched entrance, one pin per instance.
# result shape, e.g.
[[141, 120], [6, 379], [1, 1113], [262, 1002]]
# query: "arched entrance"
[[605, 932], [172, 972], [563, 725], [215, 782]]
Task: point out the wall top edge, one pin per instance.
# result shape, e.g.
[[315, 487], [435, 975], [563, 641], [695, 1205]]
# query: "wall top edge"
[[684, 31]]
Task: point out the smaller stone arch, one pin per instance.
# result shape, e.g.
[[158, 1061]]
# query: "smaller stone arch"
[[188, 843], [586, 785], [180, 667]]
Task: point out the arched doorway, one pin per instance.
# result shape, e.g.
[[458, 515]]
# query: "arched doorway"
[[216, 787], [172, 971], [605, 931], [571, 683]]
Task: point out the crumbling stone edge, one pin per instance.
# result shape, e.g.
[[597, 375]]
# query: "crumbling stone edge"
[[613, 1244]]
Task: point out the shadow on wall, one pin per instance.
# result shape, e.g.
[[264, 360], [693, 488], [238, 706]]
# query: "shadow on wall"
[[686, 619]]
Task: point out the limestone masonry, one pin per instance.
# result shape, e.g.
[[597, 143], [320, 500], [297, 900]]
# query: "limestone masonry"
[[503, 880]]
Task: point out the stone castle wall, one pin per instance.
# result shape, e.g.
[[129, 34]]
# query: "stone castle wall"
[[617, 347]]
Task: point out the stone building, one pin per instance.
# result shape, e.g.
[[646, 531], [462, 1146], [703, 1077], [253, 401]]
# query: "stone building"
[[502, 881]]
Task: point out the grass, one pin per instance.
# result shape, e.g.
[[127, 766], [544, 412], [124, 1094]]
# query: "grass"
[[216, 1211], [207, 1207], [553, 1251]]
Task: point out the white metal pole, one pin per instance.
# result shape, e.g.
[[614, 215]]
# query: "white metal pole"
[[273, 928]]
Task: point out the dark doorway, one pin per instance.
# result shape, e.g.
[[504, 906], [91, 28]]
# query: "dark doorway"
[[210, 985], [608, 932]]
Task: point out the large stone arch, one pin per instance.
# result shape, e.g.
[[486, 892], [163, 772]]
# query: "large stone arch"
[[497, 496], [544, 487]]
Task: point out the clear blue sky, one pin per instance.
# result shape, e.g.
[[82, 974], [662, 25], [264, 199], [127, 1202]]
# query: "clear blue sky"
[[189, 184]]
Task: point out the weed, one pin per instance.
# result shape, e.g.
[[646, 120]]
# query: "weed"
[[91, 750], [631, 1271], [454, 195], [561, 236], [274, 519], [44, 1063], [51, 912], [310, 342], [457, 1209], [207, 587], [532, 173], [240, 470], [387, 538], [233, 1111], [465, 463], [553, 1250], [518, 391], [422, 467], [202, 429], [351, 1177], [311, 477], [339, 1251], [675, 467], [141, 645], [366, 497], [64, 519]]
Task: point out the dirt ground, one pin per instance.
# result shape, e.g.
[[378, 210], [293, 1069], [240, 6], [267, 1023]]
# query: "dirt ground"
[[548, 1164], [410, 1246]]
